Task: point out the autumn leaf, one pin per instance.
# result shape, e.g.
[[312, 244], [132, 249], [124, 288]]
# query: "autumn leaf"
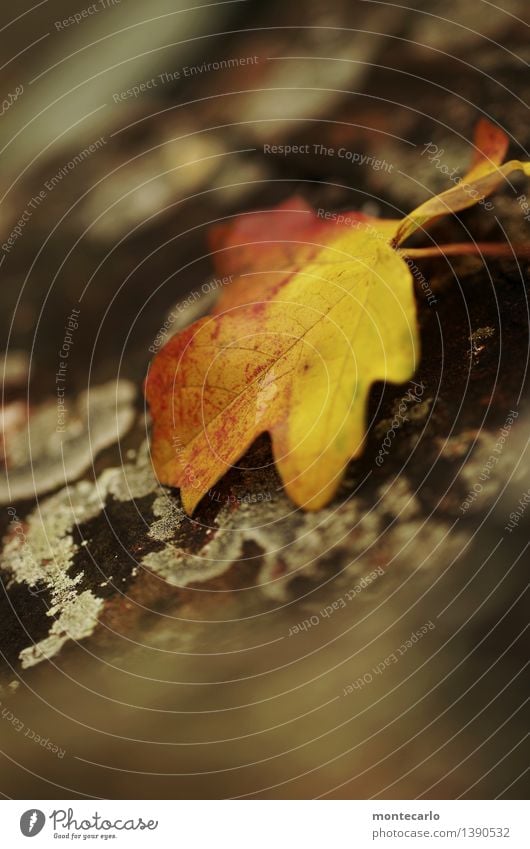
[[319, 308]]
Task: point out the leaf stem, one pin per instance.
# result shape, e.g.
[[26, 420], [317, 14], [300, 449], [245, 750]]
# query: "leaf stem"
[[499, 249]]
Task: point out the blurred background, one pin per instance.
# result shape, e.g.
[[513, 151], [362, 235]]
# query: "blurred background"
[[254, 651]]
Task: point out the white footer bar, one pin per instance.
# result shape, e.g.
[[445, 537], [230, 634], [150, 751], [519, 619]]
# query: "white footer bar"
[[263, 824]]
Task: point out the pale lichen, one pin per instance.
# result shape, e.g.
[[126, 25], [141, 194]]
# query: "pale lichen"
[[42, 456]]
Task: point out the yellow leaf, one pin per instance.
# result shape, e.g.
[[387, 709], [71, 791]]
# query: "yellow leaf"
[[298, 365], [320, 307]]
